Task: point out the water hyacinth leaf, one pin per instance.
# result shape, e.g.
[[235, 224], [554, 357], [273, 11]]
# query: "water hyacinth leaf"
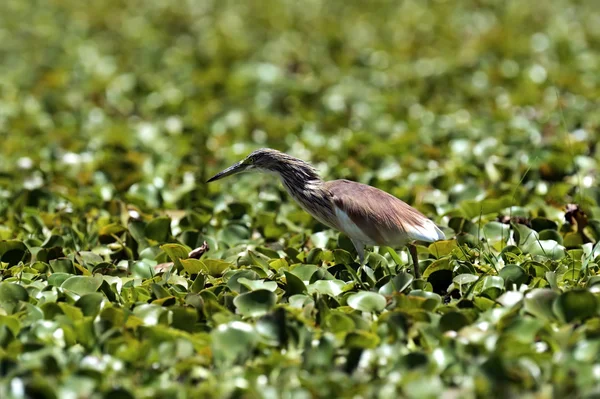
[[278, 264], [216, 267], [440, 264], [432, 300], [304, 272], [158, 229], [111, 229], [176, 252], [233, 342], [90, 304], [298, 301], [524, 236], [492, 282], [442, 248], [339, 322], [496, 232], [254, 285], [198, 284], [575, 305], [510, 298], [56, 279], [294, 285], [326, 287], [572, 240], [142, 268], [398, 283], [193, 266], [11, 323], [62, 265], [453, 321], [547, 248], [551, 235], [255, 303], [367, 301], [539, 302], [513, 274], [12, 252], [10, 296], [150, 314], [321, 274], [342, 256], [361, 339], [465, 278], [538, 224], [82, 285], [235, 285]]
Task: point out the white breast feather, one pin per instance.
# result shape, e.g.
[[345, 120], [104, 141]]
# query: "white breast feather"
[[348, 227]]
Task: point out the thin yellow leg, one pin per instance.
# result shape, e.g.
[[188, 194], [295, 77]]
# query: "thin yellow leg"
[[415, 259]]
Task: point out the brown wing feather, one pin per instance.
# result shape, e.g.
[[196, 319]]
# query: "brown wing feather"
[[381, 216]]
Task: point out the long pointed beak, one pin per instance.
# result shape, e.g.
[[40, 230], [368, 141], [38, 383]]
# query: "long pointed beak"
[[232, 170]]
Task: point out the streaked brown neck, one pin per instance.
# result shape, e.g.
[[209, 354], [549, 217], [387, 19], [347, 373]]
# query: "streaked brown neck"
[[307, 188]]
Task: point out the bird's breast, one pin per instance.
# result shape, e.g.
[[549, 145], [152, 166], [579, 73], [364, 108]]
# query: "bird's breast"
[[347, 226]]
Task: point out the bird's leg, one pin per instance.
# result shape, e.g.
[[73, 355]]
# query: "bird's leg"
[[415, 258], [360, 249]]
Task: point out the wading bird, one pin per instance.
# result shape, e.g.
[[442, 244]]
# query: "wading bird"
[[367, 215]]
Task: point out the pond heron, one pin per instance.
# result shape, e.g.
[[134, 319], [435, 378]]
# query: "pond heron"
[[367, 215]]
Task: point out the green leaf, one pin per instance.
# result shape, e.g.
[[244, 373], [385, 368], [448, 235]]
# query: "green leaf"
[[362, 339], [539, 302], [326, 287], [62, 265], [513, 274], [194, 266], [233, 342], [294, 285], [56, 279], [82, 284], [465, 278], [496, 232], [255, 303], [10, 296], [439, 249], [254, 285], [575, 305], [176, 252], [233, 282], [150, 314], [216, 267], [159, 229], [492, 286], [367, 301], [440, 264], [90, 304], [304, 272], [453, 321], [432, 300], [13, 252], [398, 283]]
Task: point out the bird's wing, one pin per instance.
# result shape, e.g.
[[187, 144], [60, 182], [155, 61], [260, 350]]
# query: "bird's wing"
[[376, 217]]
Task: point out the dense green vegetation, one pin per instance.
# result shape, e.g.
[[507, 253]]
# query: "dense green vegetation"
[[482, 114]]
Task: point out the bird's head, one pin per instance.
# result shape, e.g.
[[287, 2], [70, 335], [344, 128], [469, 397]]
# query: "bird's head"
[[262, 160]]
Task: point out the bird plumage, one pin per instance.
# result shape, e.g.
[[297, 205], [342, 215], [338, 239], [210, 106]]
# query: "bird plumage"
[[368, 215]]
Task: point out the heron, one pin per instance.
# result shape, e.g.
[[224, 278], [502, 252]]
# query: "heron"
[[367, 215]]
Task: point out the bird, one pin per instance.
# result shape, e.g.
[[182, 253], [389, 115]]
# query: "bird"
[[367, 215]]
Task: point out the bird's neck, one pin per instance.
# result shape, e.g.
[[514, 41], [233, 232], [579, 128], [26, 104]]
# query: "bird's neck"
[[308, 190]]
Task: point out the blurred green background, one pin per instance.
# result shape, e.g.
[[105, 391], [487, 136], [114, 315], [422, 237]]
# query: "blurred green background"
[[113, 114], [147, 98]]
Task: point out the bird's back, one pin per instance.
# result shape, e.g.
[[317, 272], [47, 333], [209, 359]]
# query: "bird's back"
[[375, 217]]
